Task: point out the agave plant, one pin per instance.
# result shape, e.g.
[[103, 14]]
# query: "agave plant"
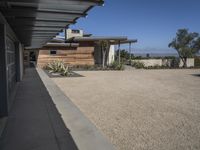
[[58, 67], [66, 71]]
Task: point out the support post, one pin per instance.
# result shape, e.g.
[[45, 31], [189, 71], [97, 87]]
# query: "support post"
[[3, 73], [65, 34], [119, 50], [130, 52]]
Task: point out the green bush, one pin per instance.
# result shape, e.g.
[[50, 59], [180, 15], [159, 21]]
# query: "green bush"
[[58, 67], [157, 67], [175, 62], [138, 64], [116, 66]]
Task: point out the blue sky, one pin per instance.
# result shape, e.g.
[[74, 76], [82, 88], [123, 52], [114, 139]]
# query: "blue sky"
[[153, 22]]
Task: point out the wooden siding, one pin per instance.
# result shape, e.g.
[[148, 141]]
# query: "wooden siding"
[[71, 56]]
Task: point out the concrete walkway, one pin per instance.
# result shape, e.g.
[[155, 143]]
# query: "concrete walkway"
[[34, 122], [84, 132]]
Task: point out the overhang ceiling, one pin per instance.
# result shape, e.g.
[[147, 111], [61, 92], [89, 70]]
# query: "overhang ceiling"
[[35, 22]]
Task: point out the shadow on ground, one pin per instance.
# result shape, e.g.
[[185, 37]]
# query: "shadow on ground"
[[196, 75], [34, 122]]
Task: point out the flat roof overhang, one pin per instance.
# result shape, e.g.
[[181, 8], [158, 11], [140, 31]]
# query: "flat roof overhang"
[[114, 40], [62, 45], [99, 38], [35, 22], [125, 42]]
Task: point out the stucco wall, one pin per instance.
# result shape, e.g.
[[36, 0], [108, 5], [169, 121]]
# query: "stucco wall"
[[150, 62], [69, 33], [164, 62], [190, 62], [111, 56]]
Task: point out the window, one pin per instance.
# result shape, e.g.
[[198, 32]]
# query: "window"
[[53, 52], [76, 31]]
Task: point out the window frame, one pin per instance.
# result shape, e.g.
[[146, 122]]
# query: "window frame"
[[54, 52]]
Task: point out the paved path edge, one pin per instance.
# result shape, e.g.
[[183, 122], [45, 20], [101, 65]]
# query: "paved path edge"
[[83, 131]]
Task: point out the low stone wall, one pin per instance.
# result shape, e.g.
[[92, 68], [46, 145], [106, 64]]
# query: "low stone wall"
[[190, 62], [164, 62], [150, 62]]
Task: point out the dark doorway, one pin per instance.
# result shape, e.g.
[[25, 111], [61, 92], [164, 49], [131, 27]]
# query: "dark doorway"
[[32, 59]]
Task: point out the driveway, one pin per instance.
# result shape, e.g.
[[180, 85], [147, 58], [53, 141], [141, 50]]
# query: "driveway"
[[140, 109]]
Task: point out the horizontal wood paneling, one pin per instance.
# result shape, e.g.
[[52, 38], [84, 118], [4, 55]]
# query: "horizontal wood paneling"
[[78, 56]]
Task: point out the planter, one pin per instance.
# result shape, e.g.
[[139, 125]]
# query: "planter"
[[56, 74]]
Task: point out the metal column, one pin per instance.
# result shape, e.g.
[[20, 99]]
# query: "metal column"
[[119, 50], [130, 52]]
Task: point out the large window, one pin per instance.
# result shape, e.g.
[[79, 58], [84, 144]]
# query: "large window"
[[53, 52], [11, 71], [76, 31]]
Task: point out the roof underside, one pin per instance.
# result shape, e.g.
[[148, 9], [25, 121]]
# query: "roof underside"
[[37, 21], [113, 39], [99, 38]]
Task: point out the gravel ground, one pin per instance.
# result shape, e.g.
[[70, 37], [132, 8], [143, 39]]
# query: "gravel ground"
[[141, 109]]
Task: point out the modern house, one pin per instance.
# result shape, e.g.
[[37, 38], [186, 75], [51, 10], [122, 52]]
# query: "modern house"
[[30, 25], [76, 48], [32, 116]]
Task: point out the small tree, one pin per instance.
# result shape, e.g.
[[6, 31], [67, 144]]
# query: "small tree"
[[105, 46], [124, 55], [186, 44]]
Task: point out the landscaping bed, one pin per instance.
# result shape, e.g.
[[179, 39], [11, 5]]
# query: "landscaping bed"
[[58, 75]]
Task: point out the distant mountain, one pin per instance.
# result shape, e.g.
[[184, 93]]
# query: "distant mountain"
[[156, 54]]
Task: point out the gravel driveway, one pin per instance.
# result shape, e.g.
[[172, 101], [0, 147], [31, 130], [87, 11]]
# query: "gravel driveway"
[[141, 109]]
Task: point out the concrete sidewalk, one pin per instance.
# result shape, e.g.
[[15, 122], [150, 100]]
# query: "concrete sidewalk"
[[84, 132], [34, 122]]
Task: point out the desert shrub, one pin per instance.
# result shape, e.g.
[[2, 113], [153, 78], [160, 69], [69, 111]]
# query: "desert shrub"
[[58, 67], [138, 64], [84, 67], [154, 67], [88, 67], [116, 66], [157, 67], [175, 63]]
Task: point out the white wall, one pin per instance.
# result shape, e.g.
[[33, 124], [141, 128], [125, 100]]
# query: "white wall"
[[111, 56], [190, 62], [164, 62], [69, 34], [150, 62]]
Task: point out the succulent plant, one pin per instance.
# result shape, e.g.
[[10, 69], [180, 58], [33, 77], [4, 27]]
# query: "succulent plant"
[[58, 67]]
